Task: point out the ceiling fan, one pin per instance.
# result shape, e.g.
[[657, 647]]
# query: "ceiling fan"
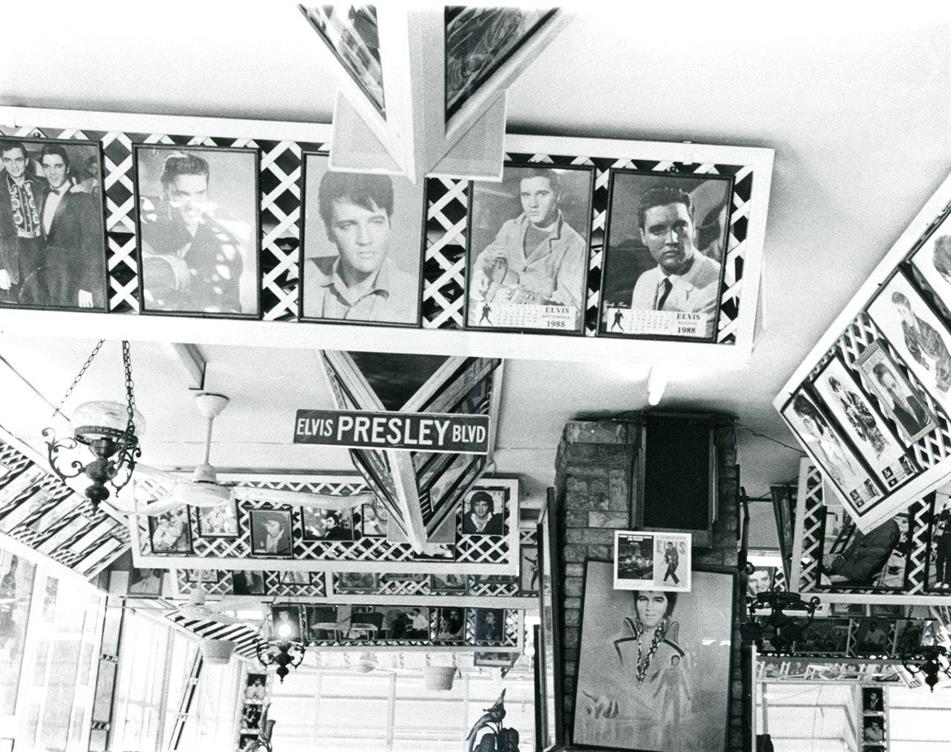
[[204, 490], [198, 607]]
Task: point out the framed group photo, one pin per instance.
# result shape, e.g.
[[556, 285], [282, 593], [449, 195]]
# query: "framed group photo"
[[666, 239], [919, 337], [904, 405], [362, 246], [676, 696], [527, 249], [52, 229]]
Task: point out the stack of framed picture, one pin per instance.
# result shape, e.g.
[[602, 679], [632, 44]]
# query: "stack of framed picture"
[[871, 402], [874, 719]]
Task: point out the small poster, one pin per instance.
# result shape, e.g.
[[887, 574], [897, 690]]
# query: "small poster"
[[652, 561]]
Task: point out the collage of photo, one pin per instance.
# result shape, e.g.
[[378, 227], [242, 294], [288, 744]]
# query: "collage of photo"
[[865, 637], [342, 623], [528, 242]]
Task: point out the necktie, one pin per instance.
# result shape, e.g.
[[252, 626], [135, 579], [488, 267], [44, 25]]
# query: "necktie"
[[668, 286]]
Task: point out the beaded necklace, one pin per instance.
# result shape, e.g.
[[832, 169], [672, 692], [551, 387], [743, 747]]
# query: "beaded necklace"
[[644, 663]]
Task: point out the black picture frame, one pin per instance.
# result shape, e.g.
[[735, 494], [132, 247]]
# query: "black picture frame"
[[441, 584], [356, 582], [205, 526], [248, 582], [175, 522], [449, 624], [497, 521], [488, 626], [146, 582], [473, 228], [283, 548], [713, 586], [619, 260], [173, 265], [290, 628], [311, 225], [80, 205], [314, 520]]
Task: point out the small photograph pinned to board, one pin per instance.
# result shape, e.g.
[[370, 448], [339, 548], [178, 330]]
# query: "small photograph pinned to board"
[[652, 561]]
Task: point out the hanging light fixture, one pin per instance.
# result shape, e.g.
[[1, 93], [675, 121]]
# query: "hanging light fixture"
[[281, 644], [930, 660], [778, 617], [110, 430]]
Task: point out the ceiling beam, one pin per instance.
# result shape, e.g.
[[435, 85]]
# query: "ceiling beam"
[[189, 362]]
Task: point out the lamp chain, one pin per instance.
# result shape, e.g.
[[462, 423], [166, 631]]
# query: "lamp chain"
[[82, 372], [130, 395]]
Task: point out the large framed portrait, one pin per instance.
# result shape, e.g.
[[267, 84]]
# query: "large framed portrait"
[[663, 269], [219, 521], [900, 401], [271, 533], [831, 452], [362, 246], [654, 668], [199, 234], [52, 229], [876, 560], [854, 412], [527, 262], [932, 259], [921, 340], [171, 532]]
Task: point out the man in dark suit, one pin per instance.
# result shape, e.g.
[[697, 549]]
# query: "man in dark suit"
[[74, 252], [22, 248], [908, 409]]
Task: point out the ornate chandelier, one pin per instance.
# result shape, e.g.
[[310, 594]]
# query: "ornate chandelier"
[[778, 617], [930, 660], [110, 430], [284, 647]]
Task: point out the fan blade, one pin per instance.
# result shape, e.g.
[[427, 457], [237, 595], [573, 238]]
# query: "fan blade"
[[302, 498], [157, 507], [164, 475]]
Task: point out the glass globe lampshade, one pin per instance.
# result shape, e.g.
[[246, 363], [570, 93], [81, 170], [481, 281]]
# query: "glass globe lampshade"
[[104, 419]]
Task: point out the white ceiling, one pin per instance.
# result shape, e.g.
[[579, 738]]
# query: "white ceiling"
[[856, 104]]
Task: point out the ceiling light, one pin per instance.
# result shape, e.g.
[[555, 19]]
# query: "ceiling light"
[[110, 430]]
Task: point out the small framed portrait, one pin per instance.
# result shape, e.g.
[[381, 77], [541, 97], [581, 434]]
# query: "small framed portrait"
[[873, 700], [271, 533], [528, 569], [938, 578], [362, 249], [251, 717], [666, 239], [286, 621], [450, 624], [489, 625], [146, 583], [322, 623], [624, 693], [831, 452], [483, 512], [415, 622], [489, 659], [171, 532], [52, 233], [294, 577], [528, 244], [859, 419], [198, 229], [921, 340], [443, 584], [909, 634], [873, 636], [373, 519], [902, 403], [197, 576], [328, 524], [247, 582], [873, 732], [220, 521], [760, 580], [933, 259], [357, 582]]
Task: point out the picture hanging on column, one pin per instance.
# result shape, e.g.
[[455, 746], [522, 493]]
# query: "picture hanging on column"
[[652, 561]]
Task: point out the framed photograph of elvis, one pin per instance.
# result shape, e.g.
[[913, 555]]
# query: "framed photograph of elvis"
[[198, 226], [666, 239], [170, 532], [917, 335], [361, 254], [901, 402], [654, 668], [831, 452], [527, 249], [52, 229], [868, 432]]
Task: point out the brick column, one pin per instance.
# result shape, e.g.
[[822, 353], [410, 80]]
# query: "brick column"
[[594, 489]]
